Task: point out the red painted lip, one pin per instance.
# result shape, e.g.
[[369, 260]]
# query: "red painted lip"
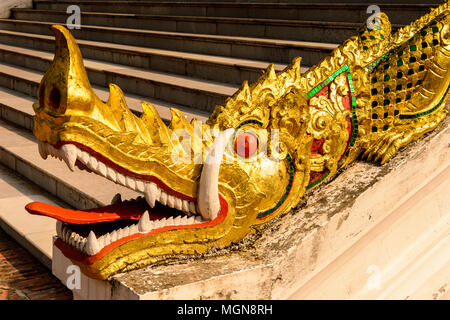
[[78, 256], [126, 172]]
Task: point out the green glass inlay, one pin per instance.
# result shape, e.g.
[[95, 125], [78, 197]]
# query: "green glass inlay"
[[413, 47], [318, 180], [424, 113]]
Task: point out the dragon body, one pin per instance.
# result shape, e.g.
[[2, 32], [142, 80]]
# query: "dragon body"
[[208, 185]]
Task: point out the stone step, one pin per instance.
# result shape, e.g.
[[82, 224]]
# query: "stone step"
[[197, 94], [79, 189], [215, 68], [34, 233], [16, 107], [158, 85], [27, 81], [319, 31], [272, 50], [286, 1], [403, 13]]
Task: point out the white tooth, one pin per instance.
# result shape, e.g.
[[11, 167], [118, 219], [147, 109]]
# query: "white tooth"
[[126, 231], [121, 178], [178, 204], [85, 157], [72, 239], [171, 201], [93, 163], [101, 242], [131, 183], [65, 233], [190, 220], [177, 221], [81, 244], [69, 154], [114, 236], [42, 150], [140, 186], [92, 246], [192, 208], [117, 199], [111, 174], [163, 198], [134, 229], [59, 228], [107, 239], [208, 193], [120, 234], [170, 221], [102, 168], [78, 244], [151, 191], [162, 222], [145, 225], [185, 206]]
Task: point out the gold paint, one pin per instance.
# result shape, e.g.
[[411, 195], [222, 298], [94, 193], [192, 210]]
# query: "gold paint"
[[277, 103]]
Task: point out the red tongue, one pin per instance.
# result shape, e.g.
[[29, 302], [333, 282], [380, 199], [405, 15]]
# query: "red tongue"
[[127, 210]]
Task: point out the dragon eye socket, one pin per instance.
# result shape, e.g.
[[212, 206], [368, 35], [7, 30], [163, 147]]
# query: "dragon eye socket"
[[246, 144]]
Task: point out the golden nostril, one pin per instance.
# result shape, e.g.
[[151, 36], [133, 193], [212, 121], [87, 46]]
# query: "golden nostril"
[[54, 99]]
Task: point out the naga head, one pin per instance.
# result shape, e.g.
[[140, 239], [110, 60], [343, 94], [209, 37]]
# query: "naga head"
[[204, 185]]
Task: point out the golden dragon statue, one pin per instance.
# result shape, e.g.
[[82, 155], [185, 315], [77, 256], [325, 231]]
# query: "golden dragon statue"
[[208, 185]]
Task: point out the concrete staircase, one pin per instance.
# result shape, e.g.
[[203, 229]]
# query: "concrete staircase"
[[189, 55]]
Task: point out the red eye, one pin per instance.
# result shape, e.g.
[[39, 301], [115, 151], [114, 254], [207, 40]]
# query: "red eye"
[[246, 144]]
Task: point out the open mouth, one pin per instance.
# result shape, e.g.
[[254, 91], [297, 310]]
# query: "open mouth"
[[91, 234]]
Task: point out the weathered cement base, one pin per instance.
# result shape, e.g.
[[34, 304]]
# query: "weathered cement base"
[[362, 235]]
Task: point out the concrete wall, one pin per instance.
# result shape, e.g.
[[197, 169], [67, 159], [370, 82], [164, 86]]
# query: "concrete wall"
[[6, 5]]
